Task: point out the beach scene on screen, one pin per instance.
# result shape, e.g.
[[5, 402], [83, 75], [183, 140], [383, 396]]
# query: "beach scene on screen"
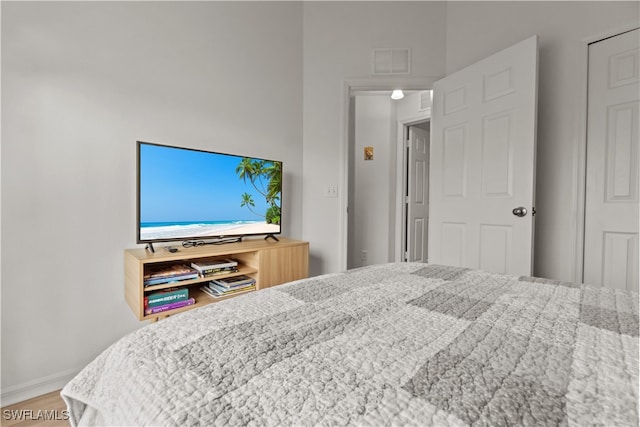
[[196, 194]]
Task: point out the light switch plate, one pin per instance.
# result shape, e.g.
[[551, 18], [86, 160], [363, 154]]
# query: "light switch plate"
[[331, 190]]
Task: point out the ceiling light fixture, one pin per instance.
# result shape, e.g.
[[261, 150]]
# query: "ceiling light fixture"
[[397, 94]]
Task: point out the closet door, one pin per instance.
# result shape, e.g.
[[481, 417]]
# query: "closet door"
[[611, 216]]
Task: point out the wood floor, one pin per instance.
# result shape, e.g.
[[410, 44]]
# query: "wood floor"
[[48, 410]]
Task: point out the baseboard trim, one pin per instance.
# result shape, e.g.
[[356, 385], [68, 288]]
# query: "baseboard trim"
[[35, 388]]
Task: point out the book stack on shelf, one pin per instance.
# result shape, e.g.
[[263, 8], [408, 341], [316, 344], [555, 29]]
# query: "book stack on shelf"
[[229, 286], [167, 299], [213, 266], [168, 273]]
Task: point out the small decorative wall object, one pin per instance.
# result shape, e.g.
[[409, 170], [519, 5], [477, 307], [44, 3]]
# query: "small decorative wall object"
[[368, 153]]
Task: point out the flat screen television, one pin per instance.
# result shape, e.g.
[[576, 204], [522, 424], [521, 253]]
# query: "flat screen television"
[[192, 195]]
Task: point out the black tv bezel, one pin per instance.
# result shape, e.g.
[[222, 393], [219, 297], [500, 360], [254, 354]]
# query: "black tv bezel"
[[199, 238]]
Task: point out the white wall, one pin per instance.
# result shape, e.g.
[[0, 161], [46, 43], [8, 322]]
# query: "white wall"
[[81, 82], [478, 29], [338, 38], [373, 204]]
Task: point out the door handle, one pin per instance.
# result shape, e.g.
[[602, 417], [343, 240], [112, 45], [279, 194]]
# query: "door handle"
[[520, 211]]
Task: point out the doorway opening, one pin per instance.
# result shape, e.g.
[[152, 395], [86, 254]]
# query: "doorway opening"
[[378, 184]]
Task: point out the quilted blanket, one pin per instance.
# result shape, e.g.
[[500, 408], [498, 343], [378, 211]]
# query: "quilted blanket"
[[392, 344]]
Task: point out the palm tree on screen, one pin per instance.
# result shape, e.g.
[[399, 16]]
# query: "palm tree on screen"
[[266, 178], [247, 200]]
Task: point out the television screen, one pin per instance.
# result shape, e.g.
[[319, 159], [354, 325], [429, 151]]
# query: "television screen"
[[186, 194]]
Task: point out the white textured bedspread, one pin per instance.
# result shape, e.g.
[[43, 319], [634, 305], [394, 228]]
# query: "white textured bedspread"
[[394, 344]]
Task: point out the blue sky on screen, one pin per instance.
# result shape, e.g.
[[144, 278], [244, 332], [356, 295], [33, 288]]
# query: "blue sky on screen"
[[187, 185]]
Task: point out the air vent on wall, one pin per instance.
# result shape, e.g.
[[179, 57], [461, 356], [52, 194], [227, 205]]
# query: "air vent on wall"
[[391, 61]]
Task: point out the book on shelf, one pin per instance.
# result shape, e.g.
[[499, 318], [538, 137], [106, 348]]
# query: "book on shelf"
[[167, 280], [215, 271], [205, 264], [170, 306], [166, 296], [161, 274], [235, 281], [219, 288], [219, 294]]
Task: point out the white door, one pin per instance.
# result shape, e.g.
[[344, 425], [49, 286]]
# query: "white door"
[[483, 144], [611, 210], [417, 194]]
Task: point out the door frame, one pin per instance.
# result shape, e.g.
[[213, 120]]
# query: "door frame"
[[580, 150], [349, 88]]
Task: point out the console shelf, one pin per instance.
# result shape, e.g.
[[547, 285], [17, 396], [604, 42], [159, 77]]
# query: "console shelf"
[[270, 263]]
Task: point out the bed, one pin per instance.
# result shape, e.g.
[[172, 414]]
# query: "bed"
[[391, 344]]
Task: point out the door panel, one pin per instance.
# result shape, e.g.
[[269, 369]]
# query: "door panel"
[[622, 157], [498, 84], [454, 163], [483, 163], [497, 157], [495, 247], [452, 244], [611, 208], [620, 260]]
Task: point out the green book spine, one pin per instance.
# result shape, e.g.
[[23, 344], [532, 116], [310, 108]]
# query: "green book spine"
[[160, 298]]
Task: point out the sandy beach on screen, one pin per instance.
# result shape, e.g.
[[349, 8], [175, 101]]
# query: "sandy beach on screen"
[[258, 228]]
